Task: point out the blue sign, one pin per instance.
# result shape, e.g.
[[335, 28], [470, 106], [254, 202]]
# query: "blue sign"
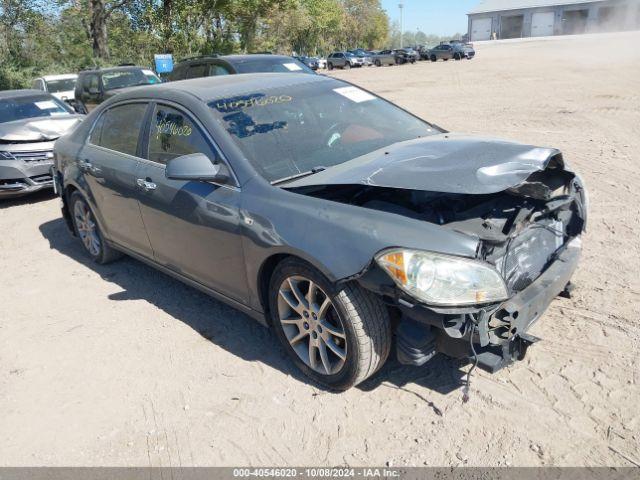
[[164, 63]]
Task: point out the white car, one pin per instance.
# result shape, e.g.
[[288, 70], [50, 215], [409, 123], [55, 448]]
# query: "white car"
[[322, 63], [60, 86]]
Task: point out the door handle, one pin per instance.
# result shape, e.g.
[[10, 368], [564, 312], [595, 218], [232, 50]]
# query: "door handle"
[[87, 167], [84, 165], [146, 185]]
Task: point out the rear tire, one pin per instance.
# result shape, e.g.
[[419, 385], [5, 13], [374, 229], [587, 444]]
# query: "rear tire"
[[357, 317], [378, 64], [88, 231]]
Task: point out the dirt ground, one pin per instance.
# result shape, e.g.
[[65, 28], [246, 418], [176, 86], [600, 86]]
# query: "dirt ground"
[[121, 365]]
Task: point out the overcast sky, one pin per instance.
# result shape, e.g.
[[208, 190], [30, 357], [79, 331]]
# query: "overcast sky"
[[440, 17]]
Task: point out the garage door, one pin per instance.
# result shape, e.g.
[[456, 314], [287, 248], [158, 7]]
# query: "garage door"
[[542, 24], [481, 29]]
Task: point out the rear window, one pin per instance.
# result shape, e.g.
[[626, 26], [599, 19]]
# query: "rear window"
[[55, 86], [36, 106], [271, 65]]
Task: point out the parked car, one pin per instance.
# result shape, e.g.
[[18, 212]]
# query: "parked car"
[[311, 62], [30, 122], [325, 212], [406, 55], [344, 60], [446, 51], [60, 86], [214, 65], [384, 57], [95, 86], [365, 55]]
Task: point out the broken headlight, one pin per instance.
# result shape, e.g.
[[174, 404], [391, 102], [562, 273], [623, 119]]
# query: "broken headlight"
[[438, 279]]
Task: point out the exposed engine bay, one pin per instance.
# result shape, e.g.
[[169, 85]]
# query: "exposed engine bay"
[[519, 229]]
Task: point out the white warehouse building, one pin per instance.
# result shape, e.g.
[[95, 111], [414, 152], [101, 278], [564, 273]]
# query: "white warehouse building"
[[538, 18]]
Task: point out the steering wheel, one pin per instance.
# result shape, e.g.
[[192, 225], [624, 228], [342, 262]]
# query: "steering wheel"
[[333, 136]]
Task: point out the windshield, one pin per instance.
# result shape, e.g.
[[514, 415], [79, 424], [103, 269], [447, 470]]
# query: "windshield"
[[152, 77], [22, 108], [287, 131], [55, 86], [271, 65], [123, 79]]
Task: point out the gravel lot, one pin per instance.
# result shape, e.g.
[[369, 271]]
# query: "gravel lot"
[[122, 365]]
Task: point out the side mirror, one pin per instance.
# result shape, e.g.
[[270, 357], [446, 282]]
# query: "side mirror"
[[94, 91], [196, 166]]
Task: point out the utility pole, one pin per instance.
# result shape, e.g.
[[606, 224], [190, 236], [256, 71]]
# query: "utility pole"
[[401, 7]]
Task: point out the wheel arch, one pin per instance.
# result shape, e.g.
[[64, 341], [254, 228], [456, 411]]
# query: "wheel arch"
[[269, 265]]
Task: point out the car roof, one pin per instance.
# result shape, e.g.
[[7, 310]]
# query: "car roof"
[[65, 76], [211, 88], [4, 94], [113, 69], [234, 58]]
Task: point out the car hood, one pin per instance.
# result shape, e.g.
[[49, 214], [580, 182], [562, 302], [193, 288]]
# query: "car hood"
[[450, 163], [38, 129]]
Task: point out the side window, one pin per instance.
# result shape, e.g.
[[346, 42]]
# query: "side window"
[[215, 69], [119, 127], [197, 71], [91, 81], [173, 134]]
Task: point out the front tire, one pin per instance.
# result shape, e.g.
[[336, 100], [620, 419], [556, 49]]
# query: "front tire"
[[330, 66], [336, 335], [347, 66], [433, 58], [88, 231]]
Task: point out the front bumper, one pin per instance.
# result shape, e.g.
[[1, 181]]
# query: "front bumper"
[[19, 178], [498, 332]]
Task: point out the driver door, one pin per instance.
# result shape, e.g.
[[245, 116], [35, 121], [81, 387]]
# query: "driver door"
[[193, 226]]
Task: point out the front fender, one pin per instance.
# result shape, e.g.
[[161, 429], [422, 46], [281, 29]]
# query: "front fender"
[[339, 240]]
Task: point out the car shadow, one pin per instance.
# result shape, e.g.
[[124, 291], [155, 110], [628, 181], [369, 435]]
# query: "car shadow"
[[35, 197], [228, 328]]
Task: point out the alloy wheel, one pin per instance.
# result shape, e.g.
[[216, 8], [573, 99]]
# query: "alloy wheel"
[[87, 228], [312, 325]]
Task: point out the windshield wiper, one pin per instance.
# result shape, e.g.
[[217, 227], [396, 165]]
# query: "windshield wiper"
[[313, 171]]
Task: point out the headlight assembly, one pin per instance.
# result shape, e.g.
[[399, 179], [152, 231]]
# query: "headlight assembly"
[[445, 280]]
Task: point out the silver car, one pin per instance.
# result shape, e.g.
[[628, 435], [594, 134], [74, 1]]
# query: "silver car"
[[344, 60], [30, 123], [383, 57], [60, 86]]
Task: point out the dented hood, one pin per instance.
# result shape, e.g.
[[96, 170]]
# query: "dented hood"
[[38, 129], [451, 163]]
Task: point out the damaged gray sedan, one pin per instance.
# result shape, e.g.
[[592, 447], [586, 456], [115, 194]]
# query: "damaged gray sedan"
[[331, 215], [30, 123]]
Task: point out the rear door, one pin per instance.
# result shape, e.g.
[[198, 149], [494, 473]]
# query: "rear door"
[[193, 226], [109, 161]]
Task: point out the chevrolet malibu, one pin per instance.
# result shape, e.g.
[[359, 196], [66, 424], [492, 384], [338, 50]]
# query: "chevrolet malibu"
[[329, 214]]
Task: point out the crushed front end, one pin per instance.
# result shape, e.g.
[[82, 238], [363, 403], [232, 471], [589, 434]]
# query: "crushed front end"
[[530, 234]]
